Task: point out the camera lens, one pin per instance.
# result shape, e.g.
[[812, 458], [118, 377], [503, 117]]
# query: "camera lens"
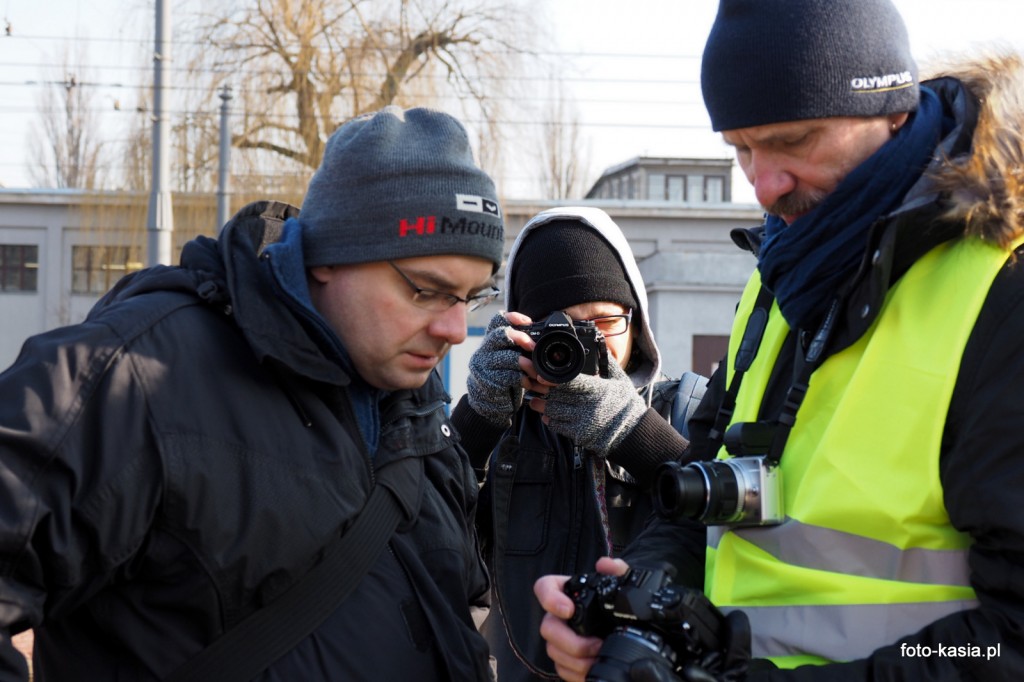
[[680, 491], [708, 491], [723, 483], [558, 356], [624, 647]]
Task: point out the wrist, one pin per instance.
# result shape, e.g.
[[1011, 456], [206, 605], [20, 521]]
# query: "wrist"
[[650, 442], [477, 433]]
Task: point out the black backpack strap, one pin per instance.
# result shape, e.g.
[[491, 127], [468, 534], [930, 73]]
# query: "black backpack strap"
[[688, 394], [247, 649]]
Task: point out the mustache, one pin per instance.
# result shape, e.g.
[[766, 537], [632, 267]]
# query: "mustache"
[[796, 203]]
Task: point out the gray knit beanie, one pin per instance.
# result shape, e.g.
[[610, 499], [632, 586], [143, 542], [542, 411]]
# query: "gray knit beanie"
[[400, 184], [769, 61]]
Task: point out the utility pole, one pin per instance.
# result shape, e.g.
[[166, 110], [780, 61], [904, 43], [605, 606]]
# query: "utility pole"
[[160, 220], [223, 175]]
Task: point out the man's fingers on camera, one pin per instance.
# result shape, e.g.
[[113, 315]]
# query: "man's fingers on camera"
[[520, 339], [550, 593], [518, 319], [610, 566], [531, 382], [573, 655]]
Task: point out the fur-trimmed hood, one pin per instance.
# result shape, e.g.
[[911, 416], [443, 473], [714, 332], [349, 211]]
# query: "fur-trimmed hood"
[[985, 185]]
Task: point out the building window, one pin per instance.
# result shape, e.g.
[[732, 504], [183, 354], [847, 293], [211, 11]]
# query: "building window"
[[676, 188], [708, 352], [656, 187], [19, 267], [94, 269], [695, 189], [714, 189]]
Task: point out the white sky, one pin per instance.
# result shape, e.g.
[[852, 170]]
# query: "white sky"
[[632, 67]]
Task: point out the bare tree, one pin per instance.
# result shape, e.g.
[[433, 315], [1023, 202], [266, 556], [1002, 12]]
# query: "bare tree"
[[306, 66], [135, 151], [564, 161], [67, 145]]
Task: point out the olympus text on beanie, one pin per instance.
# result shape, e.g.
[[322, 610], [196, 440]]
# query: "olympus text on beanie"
[[400, 184], [769, 61]]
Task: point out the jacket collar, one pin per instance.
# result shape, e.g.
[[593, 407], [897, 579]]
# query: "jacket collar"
[[239, 265]]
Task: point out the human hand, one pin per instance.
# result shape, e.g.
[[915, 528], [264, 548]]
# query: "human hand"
[[733, 661], [572, 654], [495, 383], [595, 412]]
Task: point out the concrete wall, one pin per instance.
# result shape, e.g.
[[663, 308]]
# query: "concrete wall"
[[52, 221], [694, 273]]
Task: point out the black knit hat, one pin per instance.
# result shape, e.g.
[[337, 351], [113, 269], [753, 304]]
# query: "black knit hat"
[[564, 263], [769, 61]]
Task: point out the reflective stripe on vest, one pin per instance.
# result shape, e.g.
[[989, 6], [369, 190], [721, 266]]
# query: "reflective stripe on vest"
[[836, 551], [867, 554]]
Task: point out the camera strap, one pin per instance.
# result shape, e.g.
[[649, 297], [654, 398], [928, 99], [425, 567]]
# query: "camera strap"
[[248, 648], [804, 364], [757, 322]]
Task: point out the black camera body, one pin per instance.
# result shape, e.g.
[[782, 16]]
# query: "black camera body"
[[642, 615], [566, 348]]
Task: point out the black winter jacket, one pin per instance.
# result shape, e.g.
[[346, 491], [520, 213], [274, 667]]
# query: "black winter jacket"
[[979, 195], [181, 457], [549, 506], [539, 514]]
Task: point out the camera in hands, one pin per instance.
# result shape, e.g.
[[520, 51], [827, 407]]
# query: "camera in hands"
[[744, 490], [566, 348], [642, 616]]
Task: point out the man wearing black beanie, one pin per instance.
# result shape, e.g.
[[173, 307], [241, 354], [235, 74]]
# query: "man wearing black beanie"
[[874, 355], [566, 474]]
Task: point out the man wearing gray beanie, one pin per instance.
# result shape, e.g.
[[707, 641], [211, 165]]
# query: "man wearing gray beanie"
[[862, 486], [242, 467]]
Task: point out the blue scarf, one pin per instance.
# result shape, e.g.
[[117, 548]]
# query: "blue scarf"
[[804, 264]]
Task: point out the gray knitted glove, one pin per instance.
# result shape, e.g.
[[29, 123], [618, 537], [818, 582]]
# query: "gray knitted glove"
[[594, 412], [494, 387]]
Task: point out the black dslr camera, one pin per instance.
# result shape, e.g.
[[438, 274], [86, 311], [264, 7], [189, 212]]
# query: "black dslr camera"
[[566, 348], [641, 615]]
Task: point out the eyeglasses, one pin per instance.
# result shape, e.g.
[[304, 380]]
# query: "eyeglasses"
[[613, 325], [439, 301]]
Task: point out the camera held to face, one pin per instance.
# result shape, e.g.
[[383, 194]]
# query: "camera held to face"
[[566, 348], [642, 615], [744, 490]]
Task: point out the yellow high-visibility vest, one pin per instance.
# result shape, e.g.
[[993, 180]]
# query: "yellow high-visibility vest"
[[867, 553]]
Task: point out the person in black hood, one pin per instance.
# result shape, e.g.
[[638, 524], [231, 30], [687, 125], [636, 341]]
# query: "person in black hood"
[[568, 467], [874, 368], [178, 462]]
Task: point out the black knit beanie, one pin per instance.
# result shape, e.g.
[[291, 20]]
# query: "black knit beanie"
[[769, 61], [564, 263]]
